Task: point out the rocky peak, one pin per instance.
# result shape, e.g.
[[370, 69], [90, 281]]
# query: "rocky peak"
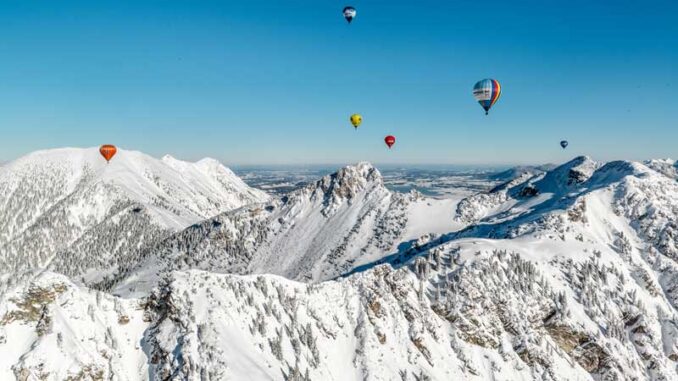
[[351, 179], [567, 176], [347, 183]]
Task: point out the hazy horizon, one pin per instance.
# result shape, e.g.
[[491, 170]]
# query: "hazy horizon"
[[334, 165]]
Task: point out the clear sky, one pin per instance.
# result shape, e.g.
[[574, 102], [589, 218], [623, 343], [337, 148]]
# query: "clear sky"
[[271, 82]]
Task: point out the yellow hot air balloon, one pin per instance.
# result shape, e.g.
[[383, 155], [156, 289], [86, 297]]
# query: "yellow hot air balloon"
[[356, 119]]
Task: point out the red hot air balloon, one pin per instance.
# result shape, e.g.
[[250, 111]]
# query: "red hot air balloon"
[[389, 140], [108, 151]]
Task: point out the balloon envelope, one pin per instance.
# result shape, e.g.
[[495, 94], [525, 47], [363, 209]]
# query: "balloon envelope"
[[389, 140], [487, 93], [564, 143], [356, 119], [108, 151], [349, 13]]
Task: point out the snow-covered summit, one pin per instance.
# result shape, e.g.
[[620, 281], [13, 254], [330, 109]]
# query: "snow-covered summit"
[[566, 177], [197, 190], [345, 185], [667, 167], [70, 198], [520, 171]]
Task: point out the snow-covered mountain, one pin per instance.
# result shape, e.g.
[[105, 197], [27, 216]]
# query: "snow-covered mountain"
[[326, 229], [570, 274], [68, 209], [522, 170], [667, 167]]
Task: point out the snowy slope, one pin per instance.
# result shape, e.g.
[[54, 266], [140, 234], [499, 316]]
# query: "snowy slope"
[[515, 172], [578, 281], [319, 232], [667, 167], [565, 275], [52, 329], [69, 208]]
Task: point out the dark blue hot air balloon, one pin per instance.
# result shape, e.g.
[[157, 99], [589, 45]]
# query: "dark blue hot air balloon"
[[564, 143], [349, 13]]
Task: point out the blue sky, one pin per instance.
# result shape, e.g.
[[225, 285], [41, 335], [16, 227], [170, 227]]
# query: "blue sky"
[[274, 82]]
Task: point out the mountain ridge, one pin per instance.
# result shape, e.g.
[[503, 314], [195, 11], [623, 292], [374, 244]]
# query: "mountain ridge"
[[61, 204], [315, 233], [567, 274]]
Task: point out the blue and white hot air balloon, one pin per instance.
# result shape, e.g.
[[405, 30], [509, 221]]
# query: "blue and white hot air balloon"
[[349, 13], [487, 93], [564, 143]]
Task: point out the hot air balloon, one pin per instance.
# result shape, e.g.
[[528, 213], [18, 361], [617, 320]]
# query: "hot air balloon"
[[389, 140], [564, 143], [356, 119], [487, 92], [349, 13], [108, 151]]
